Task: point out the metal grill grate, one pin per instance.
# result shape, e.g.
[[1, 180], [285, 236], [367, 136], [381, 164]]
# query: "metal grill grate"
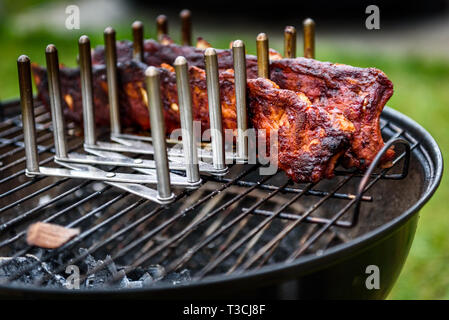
[[231, 224]]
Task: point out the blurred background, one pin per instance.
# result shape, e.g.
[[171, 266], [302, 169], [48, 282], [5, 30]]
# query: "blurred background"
[[411, 47]]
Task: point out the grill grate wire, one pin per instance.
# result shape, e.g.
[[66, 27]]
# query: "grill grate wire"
[[157, 230]]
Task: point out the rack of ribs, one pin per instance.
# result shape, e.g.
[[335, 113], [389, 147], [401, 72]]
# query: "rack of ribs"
[[310, 139], [325, 92]]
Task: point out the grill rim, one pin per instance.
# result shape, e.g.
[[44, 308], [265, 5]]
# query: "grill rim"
[[272, 273]]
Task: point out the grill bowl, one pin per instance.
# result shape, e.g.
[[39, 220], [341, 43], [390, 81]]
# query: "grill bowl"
[[382, 237]]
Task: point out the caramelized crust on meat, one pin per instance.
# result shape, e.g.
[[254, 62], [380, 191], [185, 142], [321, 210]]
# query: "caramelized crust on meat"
[[71, 94], [359, 93], [156, 54], [328, 111], [133, 96], [309, 139]]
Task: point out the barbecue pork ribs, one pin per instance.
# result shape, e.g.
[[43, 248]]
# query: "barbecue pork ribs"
[[359, 93], [325, 92], [310, 139], [133, 96]]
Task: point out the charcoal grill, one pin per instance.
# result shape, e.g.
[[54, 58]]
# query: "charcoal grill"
[[238, 235]]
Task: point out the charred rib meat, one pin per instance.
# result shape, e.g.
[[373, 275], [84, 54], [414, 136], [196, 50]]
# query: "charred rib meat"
[[156, 53], [310, 139], [359, 93], [133, 97], [331, 92]]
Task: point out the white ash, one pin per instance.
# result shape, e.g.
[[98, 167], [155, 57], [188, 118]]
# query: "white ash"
[[141, 277], [11, 266]]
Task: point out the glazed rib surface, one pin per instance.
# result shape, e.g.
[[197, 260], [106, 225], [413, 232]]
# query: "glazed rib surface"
[[340, 102]]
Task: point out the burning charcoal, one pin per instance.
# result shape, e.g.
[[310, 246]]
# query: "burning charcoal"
[[48, 235]]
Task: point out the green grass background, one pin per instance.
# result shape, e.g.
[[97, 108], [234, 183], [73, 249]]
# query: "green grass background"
[[421, 92]]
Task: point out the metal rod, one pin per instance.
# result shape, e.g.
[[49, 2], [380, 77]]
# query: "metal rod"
[[29, 126], [119, 159], [162, 26], [239, 57], [21, 146], [111, 74], [332, 220], [290, 227], [213, 94], [80, 237], [125, 231], [312, 192], [290, 42], [173, 219], [165, 227], [22, 159], [263, 62], [34, 211], [183, 212], [309, 38], [57, 214], [83, 171], [190, 227], [294, 217], [213, 264], [137, 40], [186, 27], [158, 133], [225, 227], [185, 109], [87, 91], [54, 89], [19, 173]]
